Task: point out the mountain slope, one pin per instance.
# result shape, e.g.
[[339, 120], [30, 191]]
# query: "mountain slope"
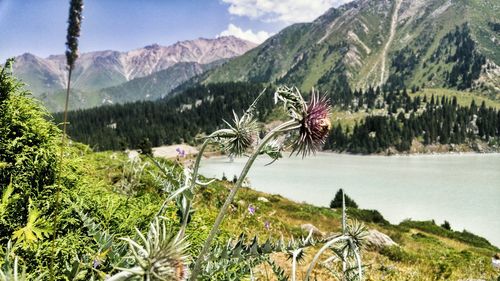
[[103, 69], [369, 42], [156, 85], [150, 87]]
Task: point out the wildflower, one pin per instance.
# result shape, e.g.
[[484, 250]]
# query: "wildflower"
[[314, 126], [251, 209], [180, 152], [267, 225], [96, 263]]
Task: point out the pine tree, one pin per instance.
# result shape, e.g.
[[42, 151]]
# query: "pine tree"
[[337, 201]]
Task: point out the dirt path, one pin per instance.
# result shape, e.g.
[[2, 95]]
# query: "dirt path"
[[382, 58], [394, 23]]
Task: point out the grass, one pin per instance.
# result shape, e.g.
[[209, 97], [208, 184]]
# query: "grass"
[[350, 118], [463, 98], [427, 252]]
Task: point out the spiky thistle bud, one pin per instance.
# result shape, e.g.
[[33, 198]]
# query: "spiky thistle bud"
[[159, 255], [74, 23], [239, 136]]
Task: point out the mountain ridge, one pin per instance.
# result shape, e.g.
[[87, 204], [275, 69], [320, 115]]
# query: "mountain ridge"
[[353, 47], [102, 69]]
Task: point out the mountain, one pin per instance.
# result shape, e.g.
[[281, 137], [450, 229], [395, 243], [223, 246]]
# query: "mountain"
[[156, 85], [103, 69], [403, 43], [150, 87]]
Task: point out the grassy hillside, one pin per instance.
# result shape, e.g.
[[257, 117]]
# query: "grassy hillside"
[[89, 201], [463, 98], [426, 252], [399, 43]]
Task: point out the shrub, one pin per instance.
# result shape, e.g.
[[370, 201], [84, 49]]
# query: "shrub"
[[337, 201], [28, 151], [367, 216], [446, 225], [397, 254], [463, 236]]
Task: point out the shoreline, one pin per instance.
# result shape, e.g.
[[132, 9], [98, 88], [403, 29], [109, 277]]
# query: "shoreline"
[[208, 155]]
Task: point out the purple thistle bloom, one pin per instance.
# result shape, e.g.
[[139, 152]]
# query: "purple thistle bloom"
[[251, 209], [314, 126]]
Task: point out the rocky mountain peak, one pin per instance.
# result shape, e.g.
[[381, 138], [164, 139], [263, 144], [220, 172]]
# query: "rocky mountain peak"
[[100, 69]]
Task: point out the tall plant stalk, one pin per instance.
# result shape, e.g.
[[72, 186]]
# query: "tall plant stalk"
[[213, 232], [73, 33]]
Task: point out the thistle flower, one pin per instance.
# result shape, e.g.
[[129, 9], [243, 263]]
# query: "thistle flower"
[[314, 126]]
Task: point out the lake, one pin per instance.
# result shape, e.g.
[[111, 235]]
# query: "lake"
[[463, 189]]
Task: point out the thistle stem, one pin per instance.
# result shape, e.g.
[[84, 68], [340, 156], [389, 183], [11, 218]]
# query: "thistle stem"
[[232, 194], [194, 176], [318, 254], [123, 275], [59, 178]]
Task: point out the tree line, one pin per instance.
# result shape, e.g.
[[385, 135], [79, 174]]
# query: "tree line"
[[441, 121], [197, 110]]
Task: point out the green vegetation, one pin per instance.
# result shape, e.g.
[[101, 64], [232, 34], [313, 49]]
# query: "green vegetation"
[[463, 98], [337, 201], [370, 121], [464, 236], [435, 121], [27, 153], [105, 196], [197, 110]]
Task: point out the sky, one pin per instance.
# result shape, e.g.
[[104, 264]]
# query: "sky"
[[39, 26]]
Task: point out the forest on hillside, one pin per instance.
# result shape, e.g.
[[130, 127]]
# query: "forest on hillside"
[[201, 109], [196, 111]]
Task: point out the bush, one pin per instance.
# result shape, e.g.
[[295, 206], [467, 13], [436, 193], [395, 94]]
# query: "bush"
[[373, 216], [337, 201], [397, 254], [28, 151], [464, 236], [446, 225]]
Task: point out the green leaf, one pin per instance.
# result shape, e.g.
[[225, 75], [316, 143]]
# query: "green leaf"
[[6, 197], [34, 229]]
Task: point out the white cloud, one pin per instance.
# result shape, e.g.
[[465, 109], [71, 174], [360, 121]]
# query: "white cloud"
[[256, 37], [286, 11]]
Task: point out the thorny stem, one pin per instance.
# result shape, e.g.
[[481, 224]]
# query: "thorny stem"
[[344, 228], [123, 275], [201, 258], [193, 177], [358, 260], [193, 183], [318, 254], [294, 263]]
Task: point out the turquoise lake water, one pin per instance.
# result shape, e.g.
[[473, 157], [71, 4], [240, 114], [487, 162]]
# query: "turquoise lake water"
[[463, 189]]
